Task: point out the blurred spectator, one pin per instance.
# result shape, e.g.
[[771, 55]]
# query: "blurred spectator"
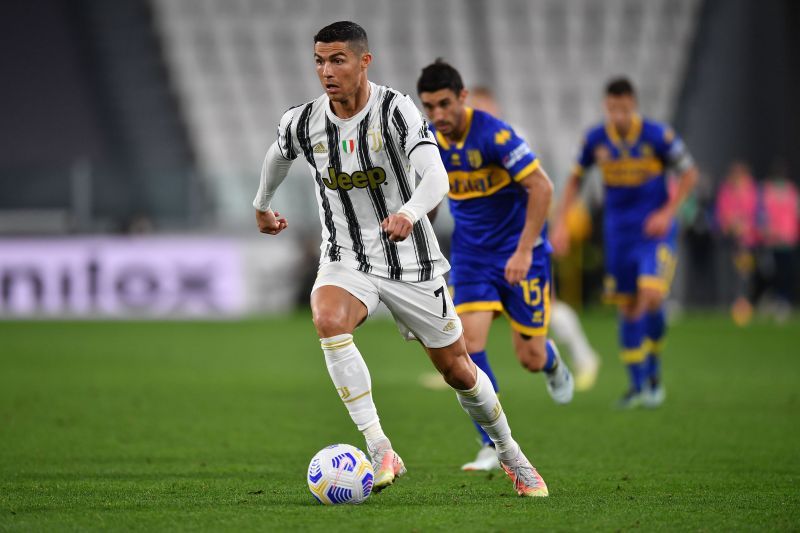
[[737, 214], [780, 234], [737, 206], [763, 226]]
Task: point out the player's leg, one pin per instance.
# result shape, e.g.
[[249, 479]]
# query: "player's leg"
[[477, 397], [656, 272], [340, 300], [622, 268], [540, 354], [652, 301], [527, 306], [566, 329], [477, 304], [434, 322], [631, 340]]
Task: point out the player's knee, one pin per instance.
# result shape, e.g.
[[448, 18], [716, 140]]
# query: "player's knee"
[[330, 322], [474, 343], [629, 309], [651, 300]]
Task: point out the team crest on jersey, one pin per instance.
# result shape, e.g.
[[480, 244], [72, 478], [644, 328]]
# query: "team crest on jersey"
[[375, 140], [646, 150], [320, 148], [502, 137], [602, 154], [474, 158]]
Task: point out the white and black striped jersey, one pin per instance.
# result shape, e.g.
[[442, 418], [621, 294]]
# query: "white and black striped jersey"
[[363, 174]]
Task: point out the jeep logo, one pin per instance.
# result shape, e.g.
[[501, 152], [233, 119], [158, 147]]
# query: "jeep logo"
[[372, 178]]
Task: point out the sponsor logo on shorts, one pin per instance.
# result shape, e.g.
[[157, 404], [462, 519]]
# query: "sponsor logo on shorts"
[[451, 325]]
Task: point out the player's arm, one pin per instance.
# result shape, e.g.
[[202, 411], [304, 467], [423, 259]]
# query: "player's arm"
[[432, 188], [423, 153], [275, 168], [679, 161], [273, 172], [560, 236], [540, 194]]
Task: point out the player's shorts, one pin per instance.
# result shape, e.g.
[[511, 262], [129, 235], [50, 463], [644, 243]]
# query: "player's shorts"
[[483, 287], [422, 310], [646, 264]]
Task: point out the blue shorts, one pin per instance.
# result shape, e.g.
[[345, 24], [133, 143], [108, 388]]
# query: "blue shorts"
[[477, 286], [646, 263]]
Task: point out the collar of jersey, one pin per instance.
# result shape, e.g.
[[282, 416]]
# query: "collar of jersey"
[[373, 92], [633, 133], [460, 143]]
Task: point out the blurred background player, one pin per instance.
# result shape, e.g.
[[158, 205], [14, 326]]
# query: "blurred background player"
[[564, 322], [634, 155], [499, 199]]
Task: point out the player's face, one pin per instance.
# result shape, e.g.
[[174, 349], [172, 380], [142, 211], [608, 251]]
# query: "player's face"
[[340, 69], [620, 111], [445, 109]]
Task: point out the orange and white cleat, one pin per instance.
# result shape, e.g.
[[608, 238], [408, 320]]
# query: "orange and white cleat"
[[388, 467], [527, 481]]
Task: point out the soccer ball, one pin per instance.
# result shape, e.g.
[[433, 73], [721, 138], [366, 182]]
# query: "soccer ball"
[[340, 474]]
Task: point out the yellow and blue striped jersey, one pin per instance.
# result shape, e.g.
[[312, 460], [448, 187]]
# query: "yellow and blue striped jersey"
[[486, 199], [634, 171]]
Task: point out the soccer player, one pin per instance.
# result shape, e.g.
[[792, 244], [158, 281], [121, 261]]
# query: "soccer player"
[[634, 155], [564, 323], [363, 143], [499, 197]]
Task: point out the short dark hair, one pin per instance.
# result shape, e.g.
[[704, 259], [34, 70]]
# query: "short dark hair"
[[620, 86], [439, 75], [344, 31]]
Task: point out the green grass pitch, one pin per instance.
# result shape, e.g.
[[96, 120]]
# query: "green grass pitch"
[[210, 426]]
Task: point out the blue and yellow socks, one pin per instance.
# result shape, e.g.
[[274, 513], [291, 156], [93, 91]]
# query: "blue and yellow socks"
[[631, 339], [552, 357], [655, 329]]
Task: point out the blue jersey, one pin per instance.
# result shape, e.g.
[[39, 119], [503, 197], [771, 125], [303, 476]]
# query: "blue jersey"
[[634, 172], [487, 202]]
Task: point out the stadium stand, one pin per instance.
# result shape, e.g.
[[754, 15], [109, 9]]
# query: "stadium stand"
[[237, 64]]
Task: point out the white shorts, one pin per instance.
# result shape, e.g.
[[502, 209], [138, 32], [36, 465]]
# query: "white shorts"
[[422, 310]]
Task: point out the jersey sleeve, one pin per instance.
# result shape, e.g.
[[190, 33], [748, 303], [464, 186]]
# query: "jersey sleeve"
[[585, 159], [673, 152], [287, 139], [408, 127], [511, 151]]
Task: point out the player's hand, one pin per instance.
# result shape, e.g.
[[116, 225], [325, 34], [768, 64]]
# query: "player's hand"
[[659, 222], [517, 266], [269, 222], [559, 239], [397, 226]]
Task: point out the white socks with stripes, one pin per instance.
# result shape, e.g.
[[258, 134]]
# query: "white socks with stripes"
[[481, 404], [351, 377]]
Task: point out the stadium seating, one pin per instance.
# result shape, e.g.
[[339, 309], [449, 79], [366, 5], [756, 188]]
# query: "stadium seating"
[[238, 64]]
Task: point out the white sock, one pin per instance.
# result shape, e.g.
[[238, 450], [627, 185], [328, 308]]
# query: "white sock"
[[481, 404], [567, 328], [350, 375]]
